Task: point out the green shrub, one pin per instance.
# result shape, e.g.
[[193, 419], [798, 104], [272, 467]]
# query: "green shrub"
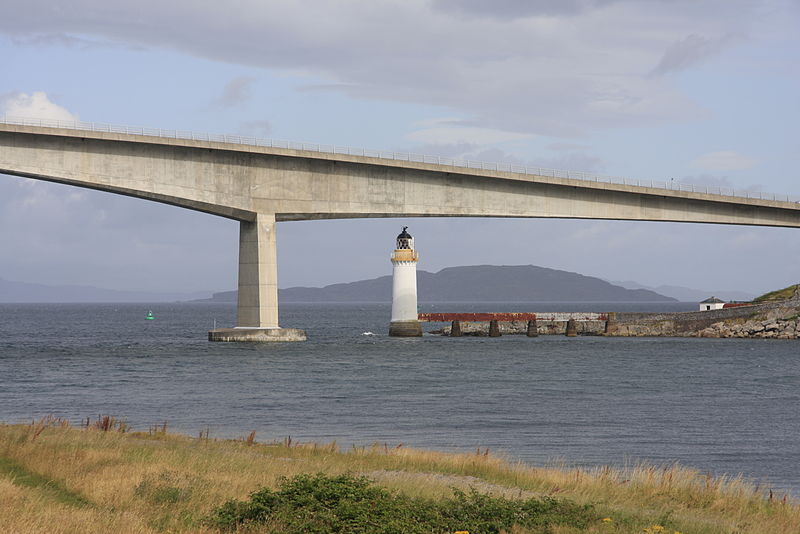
[[164, 488], [321, 504]]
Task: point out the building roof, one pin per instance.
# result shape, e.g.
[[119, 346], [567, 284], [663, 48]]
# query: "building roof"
[[404, 234], [713, 300]]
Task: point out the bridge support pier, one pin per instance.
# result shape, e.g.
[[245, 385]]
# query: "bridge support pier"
[[257, 307]]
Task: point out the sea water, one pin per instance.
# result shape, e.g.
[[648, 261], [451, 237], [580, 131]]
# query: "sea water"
[[719, 405]]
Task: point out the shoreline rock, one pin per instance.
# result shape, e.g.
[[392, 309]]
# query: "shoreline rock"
[[783, 327]]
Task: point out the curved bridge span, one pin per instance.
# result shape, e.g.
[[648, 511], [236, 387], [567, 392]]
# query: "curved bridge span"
[[260, 186]]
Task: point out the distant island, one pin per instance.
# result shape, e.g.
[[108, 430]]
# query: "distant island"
[[26, 292], [476, 283], [688, 294]]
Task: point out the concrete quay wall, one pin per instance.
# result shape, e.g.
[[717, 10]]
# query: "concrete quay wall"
[[775, 319], [544, 328]]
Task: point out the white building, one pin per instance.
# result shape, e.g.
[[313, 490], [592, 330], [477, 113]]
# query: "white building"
[[712, 303], [404, 322]]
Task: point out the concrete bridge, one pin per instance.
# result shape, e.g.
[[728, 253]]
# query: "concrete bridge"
[[262, 185]]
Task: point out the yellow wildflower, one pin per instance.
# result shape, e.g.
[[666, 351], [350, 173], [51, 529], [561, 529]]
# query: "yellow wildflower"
[[607, 520]]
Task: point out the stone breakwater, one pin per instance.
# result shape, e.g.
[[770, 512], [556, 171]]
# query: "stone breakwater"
[[772, 320], [785, 327], [778, 320]]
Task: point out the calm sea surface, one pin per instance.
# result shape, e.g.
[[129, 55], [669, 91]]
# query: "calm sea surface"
[[723, 406]]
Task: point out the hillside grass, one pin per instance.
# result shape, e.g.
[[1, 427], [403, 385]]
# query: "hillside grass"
[[778, 295], [56, 478]]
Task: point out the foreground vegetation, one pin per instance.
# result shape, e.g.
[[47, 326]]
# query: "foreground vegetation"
[[344, 503], [55, 478]]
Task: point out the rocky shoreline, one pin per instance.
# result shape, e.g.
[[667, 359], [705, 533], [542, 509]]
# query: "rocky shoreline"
[[775, 326]]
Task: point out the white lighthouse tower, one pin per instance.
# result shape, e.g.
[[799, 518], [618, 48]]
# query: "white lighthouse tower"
[[404, 321]]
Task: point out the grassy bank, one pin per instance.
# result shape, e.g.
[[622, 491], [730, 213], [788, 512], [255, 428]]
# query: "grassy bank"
[[778, 295], [55, 478]]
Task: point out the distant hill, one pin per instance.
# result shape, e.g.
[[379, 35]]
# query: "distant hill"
[[31, 293], [687, 294], [477, 283], [779, 294]]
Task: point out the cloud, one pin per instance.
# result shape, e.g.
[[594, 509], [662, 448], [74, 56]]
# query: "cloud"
[[724, 160], [689, 51], [236, 91], [511, 9], [493, 155], [650, 253], [708, 179], [572, 162], [457, 151], [566, 147], [80, 236], [262, 128], [67, 41], [34, 106], [579, 162], [451, 132], [719, 184], [548, 68]]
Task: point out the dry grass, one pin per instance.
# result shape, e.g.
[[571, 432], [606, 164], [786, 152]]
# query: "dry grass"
[[55, 478], [779, 295]]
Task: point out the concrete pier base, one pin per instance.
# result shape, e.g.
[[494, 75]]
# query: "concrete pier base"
[[249, 334], [612, 327], [494, 328], [405, 329], [455, 329], [572, 328], [533, 329]]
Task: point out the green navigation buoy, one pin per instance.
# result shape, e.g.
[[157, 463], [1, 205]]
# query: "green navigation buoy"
[[149, 316]]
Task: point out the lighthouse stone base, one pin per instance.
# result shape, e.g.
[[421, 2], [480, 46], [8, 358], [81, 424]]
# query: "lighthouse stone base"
[[249, 334], [405, 329]]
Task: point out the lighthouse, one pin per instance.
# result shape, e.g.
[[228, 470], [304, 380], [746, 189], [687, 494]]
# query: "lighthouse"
[[404, 322]]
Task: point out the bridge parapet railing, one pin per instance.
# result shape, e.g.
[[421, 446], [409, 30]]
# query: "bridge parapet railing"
[[671, 184]]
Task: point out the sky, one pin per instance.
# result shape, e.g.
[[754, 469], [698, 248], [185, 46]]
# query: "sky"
[[697, 91]]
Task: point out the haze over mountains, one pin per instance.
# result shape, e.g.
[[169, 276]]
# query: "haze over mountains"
[[477, 283], [28, 292], [688, 294]]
